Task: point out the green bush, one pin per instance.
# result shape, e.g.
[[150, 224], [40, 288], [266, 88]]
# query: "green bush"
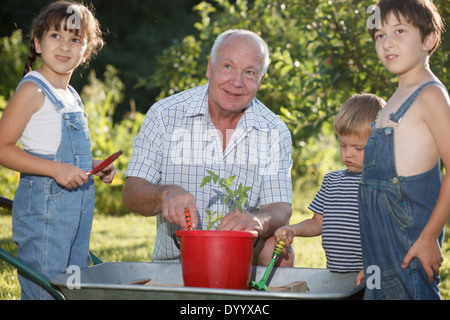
[[100, 100]]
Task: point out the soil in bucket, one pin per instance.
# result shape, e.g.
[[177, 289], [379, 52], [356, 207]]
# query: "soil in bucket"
[[216, 259]]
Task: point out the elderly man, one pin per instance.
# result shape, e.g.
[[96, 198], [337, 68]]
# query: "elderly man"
[[223, 128]]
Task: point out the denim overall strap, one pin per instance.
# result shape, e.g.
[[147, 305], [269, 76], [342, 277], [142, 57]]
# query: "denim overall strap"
[[397, 116], [48, 93], [52, 224]]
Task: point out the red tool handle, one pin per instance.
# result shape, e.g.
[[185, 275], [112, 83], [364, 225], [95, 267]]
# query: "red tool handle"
[[105, 163]]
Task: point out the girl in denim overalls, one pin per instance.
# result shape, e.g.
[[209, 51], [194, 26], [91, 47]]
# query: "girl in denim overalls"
[[54, 202], [403, 203]]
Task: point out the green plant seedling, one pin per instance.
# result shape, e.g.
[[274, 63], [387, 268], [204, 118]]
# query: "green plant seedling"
[[231, 200]]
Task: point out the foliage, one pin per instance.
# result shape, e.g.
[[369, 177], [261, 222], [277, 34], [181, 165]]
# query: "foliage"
[[100, 100], [231, 199], [13, 53], [135, 33]]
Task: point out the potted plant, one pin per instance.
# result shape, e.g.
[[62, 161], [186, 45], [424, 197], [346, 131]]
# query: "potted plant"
[[213, 258]]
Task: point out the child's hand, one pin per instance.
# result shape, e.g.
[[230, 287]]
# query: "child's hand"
[[360, 277], [288, 237], [107, 174], [429, 253], [68, 175]]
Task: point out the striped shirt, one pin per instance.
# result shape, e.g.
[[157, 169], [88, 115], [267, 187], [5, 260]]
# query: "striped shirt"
[[337, 202], [177, 143]]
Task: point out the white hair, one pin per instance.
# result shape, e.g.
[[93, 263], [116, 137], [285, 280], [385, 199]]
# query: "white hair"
[[264, 47]]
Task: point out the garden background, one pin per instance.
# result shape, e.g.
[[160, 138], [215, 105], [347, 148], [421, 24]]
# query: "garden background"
[[321, 54]]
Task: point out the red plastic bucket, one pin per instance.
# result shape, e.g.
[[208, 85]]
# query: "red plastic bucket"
[[216, 259]]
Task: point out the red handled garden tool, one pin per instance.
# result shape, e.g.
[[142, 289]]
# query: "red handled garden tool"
[[261, 284], [105, 163]]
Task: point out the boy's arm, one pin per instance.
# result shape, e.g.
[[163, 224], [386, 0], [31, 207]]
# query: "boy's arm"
[[437, 118], [307, 228]]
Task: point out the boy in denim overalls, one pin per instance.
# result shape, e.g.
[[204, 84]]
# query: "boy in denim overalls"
[[403, 203]]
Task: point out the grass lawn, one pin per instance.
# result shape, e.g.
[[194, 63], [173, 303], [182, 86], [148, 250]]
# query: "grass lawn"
[[131, 238]]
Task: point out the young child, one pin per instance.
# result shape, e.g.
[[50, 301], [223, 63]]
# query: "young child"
[[335, 206], [54, 202], [403, 205]]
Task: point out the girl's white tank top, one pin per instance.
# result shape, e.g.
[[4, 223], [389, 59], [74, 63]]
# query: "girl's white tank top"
[[42, 134]]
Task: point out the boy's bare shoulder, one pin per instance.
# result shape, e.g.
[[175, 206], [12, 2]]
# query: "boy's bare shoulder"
[[436, 100]]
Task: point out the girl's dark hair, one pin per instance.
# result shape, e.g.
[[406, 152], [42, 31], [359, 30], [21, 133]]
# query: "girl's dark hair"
[[422, 14], [53, 15]]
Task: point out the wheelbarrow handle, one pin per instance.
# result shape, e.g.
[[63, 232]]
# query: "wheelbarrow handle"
[[6, 203], [27, 270], [31, 273]]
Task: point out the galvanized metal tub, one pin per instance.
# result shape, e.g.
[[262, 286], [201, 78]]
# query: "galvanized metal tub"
[[113, 280]]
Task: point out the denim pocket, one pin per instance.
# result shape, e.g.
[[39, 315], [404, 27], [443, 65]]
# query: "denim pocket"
[[394, 289], [398, 209], [53, 188], [78, 132], [22, 198]]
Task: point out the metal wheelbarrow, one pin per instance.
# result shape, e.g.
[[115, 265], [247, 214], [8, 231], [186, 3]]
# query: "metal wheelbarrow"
[[128, 280]]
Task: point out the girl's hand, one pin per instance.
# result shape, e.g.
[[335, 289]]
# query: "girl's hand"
[[69, 176], [107, 174]]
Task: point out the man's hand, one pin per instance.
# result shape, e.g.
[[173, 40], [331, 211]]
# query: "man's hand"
[[239, 221], [175, 200]]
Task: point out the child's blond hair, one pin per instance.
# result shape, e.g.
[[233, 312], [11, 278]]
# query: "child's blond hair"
[[357, 114]]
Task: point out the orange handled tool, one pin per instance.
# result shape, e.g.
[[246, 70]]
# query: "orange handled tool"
[[188, 218]]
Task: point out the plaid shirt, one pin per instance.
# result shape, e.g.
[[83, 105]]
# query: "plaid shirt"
[[177, 143]]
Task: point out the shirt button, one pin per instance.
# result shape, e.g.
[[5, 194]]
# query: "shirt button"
[[394, 180], [66, 116]]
